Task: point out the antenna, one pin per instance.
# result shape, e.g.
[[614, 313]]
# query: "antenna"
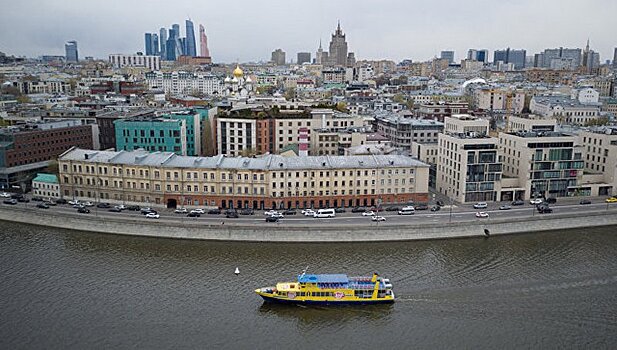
[[304, 271]]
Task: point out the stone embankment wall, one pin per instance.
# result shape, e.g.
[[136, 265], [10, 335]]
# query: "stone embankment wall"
[[288, 232]]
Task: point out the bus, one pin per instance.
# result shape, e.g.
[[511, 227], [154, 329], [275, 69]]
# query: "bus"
[[325, 213]]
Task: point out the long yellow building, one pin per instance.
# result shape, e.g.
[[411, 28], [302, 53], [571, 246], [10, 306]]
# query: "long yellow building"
[[272, 181]]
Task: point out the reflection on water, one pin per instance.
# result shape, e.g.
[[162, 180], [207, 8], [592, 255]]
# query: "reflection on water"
[[86, 290]]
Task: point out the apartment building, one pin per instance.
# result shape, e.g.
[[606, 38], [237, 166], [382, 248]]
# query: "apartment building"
[[166, 179], [402, 131], [184, 83], [600, 156]]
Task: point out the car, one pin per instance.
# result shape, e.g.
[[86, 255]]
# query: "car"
[[50, 202], [83, 210], [611, 200], [368, 213], [214, 211], [407, 210], [358, 210], [270, 212], [23, 200], [551, 200], [152, 216], [181, 211], [37, 199], [231, 214], [133, 207], [421, 206], [505, 207], [5, 195], [121, 206], [277, 215], [308, 212], [339, 210], [289, 212], [435, 208], [103, 205], [393, 208], [115, 210], [144, 210], [17, 195], [42, 206], [585, 201], [88, 204], [193, 215], [74, 202], [544, 209], [480, 205], [440, 203], [518, 202], [536, 201], [378, 218], [482, 214], [61, 201], [247, 211], [199, 210], [11, 201], [272, 219]]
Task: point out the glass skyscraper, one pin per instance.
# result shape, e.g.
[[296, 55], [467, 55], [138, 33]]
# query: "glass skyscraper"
[[190, 46], [71, 51]]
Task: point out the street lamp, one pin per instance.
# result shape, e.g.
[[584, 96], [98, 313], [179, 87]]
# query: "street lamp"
[[449, 191]]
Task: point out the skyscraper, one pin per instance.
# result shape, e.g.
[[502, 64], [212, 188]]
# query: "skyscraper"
[[304, 57], [71, 51], [278, 57], [152, 44], [448, 55], [615, 58], [170, 49], [516, 57], [191, 49], [203, 42], [338, 48], [478, 55], [163, 43]]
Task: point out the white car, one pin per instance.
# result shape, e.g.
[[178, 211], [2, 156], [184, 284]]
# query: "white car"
[[276, 214], [308, 212], [152, 216], [482, 214], [368, 213], [536, 201], [88, 204], [480, 205], [121, 207], [378, 218], [181, 211], [74, 202], [196, 211], [5, 195], [270, 212]]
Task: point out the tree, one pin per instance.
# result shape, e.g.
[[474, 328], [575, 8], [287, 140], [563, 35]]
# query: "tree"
[[248, 152], [23, 99], [53, 167], [290, 94], [341, 107]]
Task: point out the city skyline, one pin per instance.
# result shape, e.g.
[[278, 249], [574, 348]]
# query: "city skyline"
[[386, 32]]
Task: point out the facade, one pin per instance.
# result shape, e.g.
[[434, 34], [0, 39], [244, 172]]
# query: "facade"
[[278, 57], [600, 156], [565, 109], [478, 55], [304, 57], [46, 186], [183, 83], [71, 52], [152, 44], [236, 136], [334, 75], [469, 168], [402, 131], [24, 150], [203, 42], [545, 164], [438, 111], [530, 123], [151, 62], [269, 182], [555, 58]]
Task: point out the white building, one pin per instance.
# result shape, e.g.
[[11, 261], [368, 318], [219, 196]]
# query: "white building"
[[184, 83], [46, 186], [141, 61]]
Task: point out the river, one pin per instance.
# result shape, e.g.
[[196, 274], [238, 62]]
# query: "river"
[[78, 290]]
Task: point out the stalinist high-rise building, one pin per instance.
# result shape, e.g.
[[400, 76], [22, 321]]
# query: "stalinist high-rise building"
[[337, 55]]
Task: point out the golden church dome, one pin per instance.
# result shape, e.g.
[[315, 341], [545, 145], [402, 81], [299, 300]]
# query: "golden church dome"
[[238, 72]]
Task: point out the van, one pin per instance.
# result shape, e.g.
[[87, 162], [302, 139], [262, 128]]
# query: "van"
[[325, 213], [408, 210]]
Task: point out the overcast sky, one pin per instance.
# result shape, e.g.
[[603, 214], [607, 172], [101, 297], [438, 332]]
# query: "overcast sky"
[[251, 30]]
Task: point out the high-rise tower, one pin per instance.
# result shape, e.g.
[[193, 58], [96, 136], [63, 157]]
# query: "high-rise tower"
[[163, 43], [203, 42], [338, 48], [190, 49], [70, 49]]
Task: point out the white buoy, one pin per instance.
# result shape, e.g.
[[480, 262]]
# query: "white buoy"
[[237, 272]]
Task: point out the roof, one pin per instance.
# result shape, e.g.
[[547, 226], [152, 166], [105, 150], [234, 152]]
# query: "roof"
[[327, 278], [47, 178], [268, 162]]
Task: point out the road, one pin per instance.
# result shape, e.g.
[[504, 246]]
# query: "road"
[[458, 213]]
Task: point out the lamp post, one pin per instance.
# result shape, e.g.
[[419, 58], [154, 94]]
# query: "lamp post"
[[450, 190]]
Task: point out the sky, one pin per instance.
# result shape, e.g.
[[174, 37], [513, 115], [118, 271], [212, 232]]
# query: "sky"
[[246, 31]]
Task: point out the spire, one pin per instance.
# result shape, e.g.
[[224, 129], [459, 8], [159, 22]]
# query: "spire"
[[320, 44], [587, 47], [338, 27]]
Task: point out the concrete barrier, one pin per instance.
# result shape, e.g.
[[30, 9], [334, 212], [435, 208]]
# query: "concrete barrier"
[[299, 233]]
